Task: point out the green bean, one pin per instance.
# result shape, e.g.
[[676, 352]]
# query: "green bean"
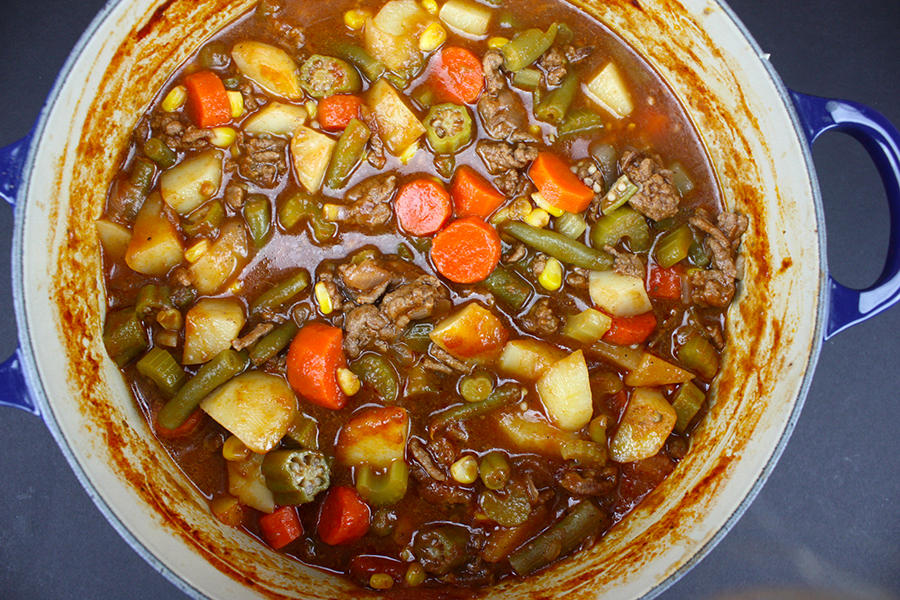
[[302, 206], [558, 246], [417, 337], [494, 470], [383, 490], [506, 394], [564, 35], [527, 79], [606, 158], [347, 153], [211, 375], [508, 286], [274, 297], [150, 298], [687, 402], [132, 191], [124, 336], [623, 222], [674, 247], [583, 520], [204, 220], [273, 343], [698, 255], [584, 453], [555, 105], [571, 225], [258, 215], [322, 76], [527, 47], [157, 151], [371, 67], [448, 127], [580, 121], [376, 371], [159, 366], [405, 252], [141, 175]]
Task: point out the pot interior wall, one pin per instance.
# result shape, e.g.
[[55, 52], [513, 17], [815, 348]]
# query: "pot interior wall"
[[764, 173]]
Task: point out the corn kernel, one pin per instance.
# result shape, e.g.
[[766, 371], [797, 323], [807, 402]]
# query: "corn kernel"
[[535, 129], [500, 216], [223, 137], [432, 38], [331, 212], [415, 575], [348, 381], [356, 18], [519, 209], [542, 203], [430, 6], [194, 253], [234, 450], [174, 99], [551, 277], [465, 470], [410, 151], [324, 299], [495, 43], [312, 109], [237, 287], [381, 581], [166, 338], [538, 218], [236, 99]]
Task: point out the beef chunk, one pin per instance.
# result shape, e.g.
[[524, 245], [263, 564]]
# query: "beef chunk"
[[553, 63], [657, 198], [375, 155], [542, 319], [252, 100], [494, 80], [369, 202], [627, 264], [235, 194], [251, 338], [366, 327], [366, 281], [716, 286], [262, 159], [504, 117], [177, 132], [589, 482], [416, 300], [444, 362], [271, 15], [509, 161]]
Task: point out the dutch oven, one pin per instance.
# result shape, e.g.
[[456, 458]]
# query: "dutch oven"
[[758, 134]]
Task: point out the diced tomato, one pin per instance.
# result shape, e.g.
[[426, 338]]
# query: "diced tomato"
[[664, 283]]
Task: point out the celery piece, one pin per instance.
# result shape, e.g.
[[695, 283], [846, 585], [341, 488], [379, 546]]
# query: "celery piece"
[[587, 326], [699, 355], [303, 206], [623, 222], [509, 510], [673, 247], [687, 402], [386, 489], [124, 336], [303, 432], [571, 225], [160, 367], [584, 453], [697, 254], [416, 337], [580, 121]]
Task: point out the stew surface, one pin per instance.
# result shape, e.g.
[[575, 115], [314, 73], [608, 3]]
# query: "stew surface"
[[429, 294]]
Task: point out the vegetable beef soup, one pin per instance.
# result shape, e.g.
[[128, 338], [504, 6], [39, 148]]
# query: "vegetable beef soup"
[[426, 293]]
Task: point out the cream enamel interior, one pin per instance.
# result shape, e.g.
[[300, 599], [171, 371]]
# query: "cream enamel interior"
[[764, 171]]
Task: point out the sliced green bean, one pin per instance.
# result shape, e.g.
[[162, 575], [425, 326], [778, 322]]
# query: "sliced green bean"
[[369, 66], [376, 371], [527, 79], [124, 336], [273, 343], [157, 151], [505, 395], [323, 76], [162, 369], [275, 297], [559, 246], [347, 153], [211, 375], [527, 47], [583, 520], [141, 175], [508, 286], [624, 222], [619, 193], [152, 297], [133, 191], [258, 215], [606, 158], [580, 121], [555, 105], [383, 490]]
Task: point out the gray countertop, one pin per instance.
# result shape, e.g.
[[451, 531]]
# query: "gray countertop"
[[827, 522]]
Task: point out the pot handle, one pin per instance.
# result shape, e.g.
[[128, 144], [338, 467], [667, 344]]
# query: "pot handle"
[[12, 162], [847, 306]]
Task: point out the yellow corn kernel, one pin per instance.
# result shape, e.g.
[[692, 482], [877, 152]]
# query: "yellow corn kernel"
[[312, 109], [500, 216], [538, 218], [415, 575], [520, 209], [223, 137], [432, 38], [381, 581], [430, 6], [542, 203], [194, 253], [535, 130], [495, 43], [465, 470], [331, 212], [551, 277], [236, 99], [174, 99], [324, 299], [356, 18], [234, 450], [407, 154], [348, 381], [166, 338], [237, 287]]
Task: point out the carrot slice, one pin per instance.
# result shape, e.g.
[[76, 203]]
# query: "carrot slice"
[[344, 517], [315, 355], [335, 112], [664, 283], [423, 206], [457, 76], [558, 185], [466, 251], [626, 331], [281, 527], [473, 195], [207, 103]]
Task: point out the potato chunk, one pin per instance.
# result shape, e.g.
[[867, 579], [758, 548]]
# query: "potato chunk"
[[529, 432], [527, 359], [565, 390], [311, 152], [276, 119], [270, 67], [189, 184], [471, 333], [397, 124], [375, 437], [256, 407], [210, 326], [619, 295], [114, 238], [155, 246], [609, 90], [646, 424], [224, 257], [653, 371], [247, 483]]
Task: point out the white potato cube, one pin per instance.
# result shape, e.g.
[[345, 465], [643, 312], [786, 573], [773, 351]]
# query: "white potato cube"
[[114, 238], [270, 67], [224, 257], [209, 327], [619, 295], [189, 184], [527, 359], [397, 124], [646, 424], [464, 16], [565, 390], [275, 119], [609, 90], [155, 246], [375, 437], [311, 152]]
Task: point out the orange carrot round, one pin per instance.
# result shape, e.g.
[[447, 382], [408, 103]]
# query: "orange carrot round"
[[473, 195], [207, 101], [423, 206], [344, 517], [626, 331], [558, 185], [315, 355], [457, 75], [281, 527], [466, 251], [335, 112]]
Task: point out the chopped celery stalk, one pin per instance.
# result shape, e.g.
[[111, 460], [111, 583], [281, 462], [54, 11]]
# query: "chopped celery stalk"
[[587, 326], [509, 510], [687, 402], [274, 298], [527, 79], [584, 453], [303, 206], [377, 372], [274, 342], [152, 298], [580, 121], [624, 222], [619, 193], [555, 105], [205, 220], [161, 368], [510, 287], [383, 489], [673, 247], [698, 255], [699, 355], [527, 47], [681, 179], [124, 336], [564, 35], [571, 225], [258, 215], [583, 520]]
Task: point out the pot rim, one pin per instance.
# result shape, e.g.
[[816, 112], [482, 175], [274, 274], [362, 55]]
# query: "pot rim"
[[36, 388]]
